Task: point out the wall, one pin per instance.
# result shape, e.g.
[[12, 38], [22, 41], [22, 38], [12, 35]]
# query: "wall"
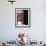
[[8, 31]]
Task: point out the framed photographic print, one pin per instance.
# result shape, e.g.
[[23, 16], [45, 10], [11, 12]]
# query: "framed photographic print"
[[22, 17]]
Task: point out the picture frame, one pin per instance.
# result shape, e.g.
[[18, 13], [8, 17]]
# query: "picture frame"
[[23, 17]]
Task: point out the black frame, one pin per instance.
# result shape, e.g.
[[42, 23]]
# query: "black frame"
[[29, 18]]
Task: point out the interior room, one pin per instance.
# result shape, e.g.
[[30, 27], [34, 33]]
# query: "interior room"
[[35, 35]]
